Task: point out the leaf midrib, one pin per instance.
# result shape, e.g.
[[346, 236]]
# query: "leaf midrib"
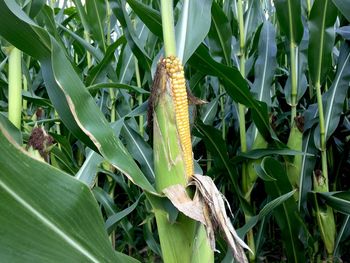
[[221, 41]]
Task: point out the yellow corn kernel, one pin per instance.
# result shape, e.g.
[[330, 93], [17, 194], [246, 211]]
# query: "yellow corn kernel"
[[179, 93]]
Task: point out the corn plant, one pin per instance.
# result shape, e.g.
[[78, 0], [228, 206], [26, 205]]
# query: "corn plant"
[[166, 131]]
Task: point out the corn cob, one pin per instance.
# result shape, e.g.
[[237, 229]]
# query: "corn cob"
[[175, 71]]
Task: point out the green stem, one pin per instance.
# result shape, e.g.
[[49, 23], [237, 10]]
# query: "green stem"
[[308, 2], [222, 106], [88, 55], [139, 97], [241, 108], [112, 95], [241, 114], [112, 98], [15, 87], [184, 241], [82, 15], [208, 161], [25, 88], [294, 81], [109, 14], [168, 27], [322, 133]]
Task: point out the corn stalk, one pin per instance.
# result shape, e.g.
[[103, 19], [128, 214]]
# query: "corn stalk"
[[15, 87], [242, 131], [184, 240]]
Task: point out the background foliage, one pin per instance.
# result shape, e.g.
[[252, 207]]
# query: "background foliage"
[[86, 73]]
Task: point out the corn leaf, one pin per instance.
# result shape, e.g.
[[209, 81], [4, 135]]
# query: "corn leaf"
[[321, 39], [264, 212], [307, 167], [88, 171], [253, 18], [344, 32], [96, 14], [340, 201], [112, 221], [118, 7], [11, 129], [286, 215], [342, 235], [289, 18], [42, 225], [336, 94], [192, 27], [265, 64], [220, 35], [343, 7], [69, 95], [301, 64], [235, 85]]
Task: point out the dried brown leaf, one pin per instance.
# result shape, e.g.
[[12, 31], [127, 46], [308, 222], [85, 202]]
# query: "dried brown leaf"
[[208, 207]]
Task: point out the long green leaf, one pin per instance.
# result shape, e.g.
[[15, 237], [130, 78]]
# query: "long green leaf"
[[118, 7], [344, 32], [342, 234], [88, 171], [42, 225], [286, 215], [96, 17], [344, 7], [268, 208], [220, 34], [140, 150], [264, 69], [321, 25], [336, 94], [113, 220], [340, 201], [98, 72], [289, 17], [71, 98], [93, 122], [253, 17], [11, 129], [266, 63], [193, 26], [149, 16], [35, 41], [235, 85], [307, 167]]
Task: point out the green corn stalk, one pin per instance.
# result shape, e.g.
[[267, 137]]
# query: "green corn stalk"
[[295, 142], [324, 215], [15, 87], [82, 16], [241, 113], [248, 181], [185, 240]]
